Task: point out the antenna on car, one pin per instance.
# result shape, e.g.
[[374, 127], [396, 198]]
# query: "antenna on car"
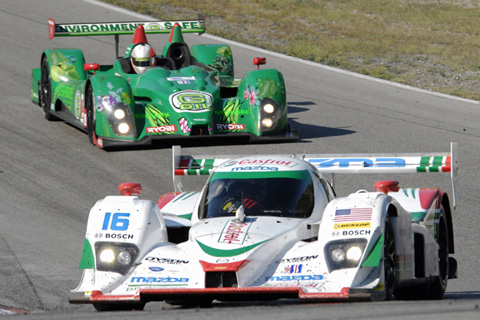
[[240, 214]]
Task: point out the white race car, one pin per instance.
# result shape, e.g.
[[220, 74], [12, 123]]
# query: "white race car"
[[269, 227]]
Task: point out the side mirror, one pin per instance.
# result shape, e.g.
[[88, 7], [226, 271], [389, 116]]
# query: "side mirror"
[[258, 61], [91, 66]]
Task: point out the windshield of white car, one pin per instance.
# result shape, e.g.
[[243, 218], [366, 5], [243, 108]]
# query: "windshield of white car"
[[270, 195]]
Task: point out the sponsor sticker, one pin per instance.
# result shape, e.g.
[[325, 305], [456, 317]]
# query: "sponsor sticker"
[[306, 277], [166, 260], [176, 79], [230, 126], [352, 225], [296, 268], [353, 214], [156, 269], [299, 259], [158, 280], [234, 232], [362, 232], [255, 168], [160, 129], [78, 104], [191, 101]]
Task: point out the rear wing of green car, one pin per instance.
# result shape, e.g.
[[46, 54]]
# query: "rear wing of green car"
[[428, 162], [122, 28]]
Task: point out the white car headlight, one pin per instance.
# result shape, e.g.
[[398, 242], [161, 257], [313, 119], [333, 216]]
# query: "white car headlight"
[[354, 253], [107, 255], [338, 255], [124, 257], [344, 254], [115, 257]]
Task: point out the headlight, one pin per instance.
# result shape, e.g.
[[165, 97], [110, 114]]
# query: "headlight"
[[338, 255], [115, 257], [107, 256], [268, 108], [119, 114], [123, 128], [121, 120], [344, 254], [124, 258], [269, 115], [267, 123], [354, 253]]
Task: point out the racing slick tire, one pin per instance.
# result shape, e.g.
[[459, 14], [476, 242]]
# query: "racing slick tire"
[[46, 90], [118, 306], [389, 259], [91, 114], [437, 289], [433, 289]]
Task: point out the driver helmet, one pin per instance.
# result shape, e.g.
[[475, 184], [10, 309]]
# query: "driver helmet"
[[143, 57], [242, 188]]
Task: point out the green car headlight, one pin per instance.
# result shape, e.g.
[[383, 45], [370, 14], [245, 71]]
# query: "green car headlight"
[[269, 115], [120, 120]]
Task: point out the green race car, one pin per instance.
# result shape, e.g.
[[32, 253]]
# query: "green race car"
[[185, 92]]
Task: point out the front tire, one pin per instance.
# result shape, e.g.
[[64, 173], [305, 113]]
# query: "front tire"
[[102, 306], [91, 113], [46, 90], [389, 259]]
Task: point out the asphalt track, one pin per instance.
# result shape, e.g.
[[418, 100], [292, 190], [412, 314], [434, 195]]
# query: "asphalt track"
[[50, 175]]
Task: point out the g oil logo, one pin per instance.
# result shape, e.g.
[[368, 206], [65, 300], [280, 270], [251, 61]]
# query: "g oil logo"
[[191, 101]]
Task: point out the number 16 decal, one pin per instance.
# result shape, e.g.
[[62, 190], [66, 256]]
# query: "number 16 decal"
[[119, 221]]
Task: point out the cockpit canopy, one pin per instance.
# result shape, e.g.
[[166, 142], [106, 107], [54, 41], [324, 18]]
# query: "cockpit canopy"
[[278, 193]]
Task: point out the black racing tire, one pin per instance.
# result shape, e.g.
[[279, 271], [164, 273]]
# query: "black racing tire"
[[118, 306], [91, 113], [434, 289], [389, 259], [46, 90]]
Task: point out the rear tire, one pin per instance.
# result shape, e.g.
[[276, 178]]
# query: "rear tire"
[[434, 289], [46, 90]]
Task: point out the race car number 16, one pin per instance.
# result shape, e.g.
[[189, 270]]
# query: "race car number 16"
[[119, 221]]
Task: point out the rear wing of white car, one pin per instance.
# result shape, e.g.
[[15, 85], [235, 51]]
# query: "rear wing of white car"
[[428, 162]]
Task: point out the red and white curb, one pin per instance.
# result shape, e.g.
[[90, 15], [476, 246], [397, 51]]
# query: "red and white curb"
[[4, 310]]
